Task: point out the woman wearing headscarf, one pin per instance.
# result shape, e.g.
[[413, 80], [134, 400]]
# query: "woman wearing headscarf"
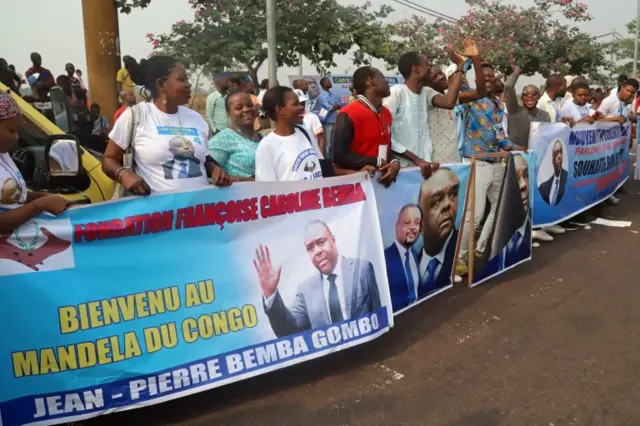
[[13, 189], [234, 148], [170, 140]]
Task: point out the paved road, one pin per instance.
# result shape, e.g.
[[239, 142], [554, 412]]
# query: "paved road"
[[554, 342]]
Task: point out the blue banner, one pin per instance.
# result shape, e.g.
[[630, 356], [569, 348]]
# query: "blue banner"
[[576, 168], [420, 222], [131, 303]]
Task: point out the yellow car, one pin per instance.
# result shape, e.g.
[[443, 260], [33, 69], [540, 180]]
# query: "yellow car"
[[80, 180]]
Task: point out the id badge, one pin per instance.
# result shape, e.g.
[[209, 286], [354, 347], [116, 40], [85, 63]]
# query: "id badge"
[[499, 131]]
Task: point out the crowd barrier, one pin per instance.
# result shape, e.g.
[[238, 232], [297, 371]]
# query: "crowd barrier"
[[124, 304]]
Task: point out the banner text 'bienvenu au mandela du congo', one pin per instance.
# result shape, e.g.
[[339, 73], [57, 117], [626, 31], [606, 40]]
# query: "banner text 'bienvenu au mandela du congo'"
[[132, 303], [576, 168]]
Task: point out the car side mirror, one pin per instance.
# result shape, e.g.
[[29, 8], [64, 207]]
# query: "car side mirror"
[[63, 156]]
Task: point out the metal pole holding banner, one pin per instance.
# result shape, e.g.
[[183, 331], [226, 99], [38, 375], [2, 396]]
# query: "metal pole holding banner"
[[271, 43], [635, 44]]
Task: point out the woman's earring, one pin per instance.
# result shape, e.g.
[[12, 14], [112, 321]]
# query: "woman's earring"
[[282, 113], [164, 98]]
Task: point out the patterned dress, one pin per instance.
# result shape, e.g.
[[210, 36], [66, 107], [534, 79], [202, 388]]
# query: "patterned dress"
[[234, 152]]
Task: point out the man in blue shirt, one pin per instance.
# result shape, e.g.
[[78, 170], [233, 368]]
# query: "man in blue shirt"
[[484, 134], [326, 107]]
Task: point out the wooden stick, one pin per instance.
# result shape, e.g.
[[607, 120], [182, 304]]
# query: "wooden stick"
[[472, 222]]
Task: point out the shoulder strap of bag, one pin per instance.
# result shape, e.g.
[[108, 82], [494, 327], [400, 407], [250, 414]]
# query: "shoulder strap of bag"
[[127, 158], [304, 131]]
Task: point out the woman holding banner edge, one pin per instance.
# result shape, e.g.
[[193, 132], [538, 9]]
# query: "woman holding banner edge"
[[13, 189]]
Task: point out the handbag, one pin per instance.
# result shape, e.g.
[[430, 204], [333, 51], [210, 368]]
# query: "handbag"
[[127, 158]]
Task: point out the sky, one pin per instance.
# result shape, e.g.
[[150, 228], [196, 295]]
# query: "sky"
[[58, 34]]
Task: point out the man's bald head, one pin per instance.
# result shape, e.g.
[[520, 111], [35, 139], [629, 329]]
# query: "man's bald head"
[[321, 246], [439, 204]]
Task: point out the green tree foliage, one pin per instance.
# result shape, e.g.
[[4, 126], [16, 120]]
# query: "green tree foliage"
[[232, 34], [125, 6], [530, 37], [623, 51]]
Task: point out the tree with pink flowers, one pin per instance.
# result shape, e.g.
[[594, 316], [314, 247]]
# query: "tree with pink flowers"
[[232, 35], [533, 37]]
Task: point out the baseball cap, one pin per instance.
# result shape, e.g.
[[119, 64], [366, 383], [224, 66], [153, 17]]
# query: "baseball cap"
[[303, 97]]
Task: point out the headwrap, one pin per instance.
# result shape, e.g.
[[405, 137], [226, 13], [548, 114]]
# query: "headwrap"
[[8, 107]]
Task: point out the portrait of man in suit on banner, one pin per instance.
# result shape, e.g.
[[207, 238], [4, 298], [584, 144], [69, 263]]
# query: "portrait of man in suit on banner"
[[402, 261], [552, 190], [511, 236], [341, 288], [438, 201]]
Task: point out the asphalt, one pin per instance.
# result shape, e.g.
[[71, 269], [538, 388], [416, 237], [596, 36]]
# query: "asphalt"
[[553, 342]]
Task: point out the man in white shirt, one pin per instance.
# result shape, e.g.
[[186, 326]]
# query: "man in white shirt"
[[401, 260], [312, 124], [576, 108], [408, 106], [617, 108], [556, 89], [341, 289]]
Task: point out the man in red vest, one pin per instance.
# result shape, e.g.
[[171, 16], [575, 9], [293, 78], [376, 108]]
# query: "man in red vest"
[[362, 134]]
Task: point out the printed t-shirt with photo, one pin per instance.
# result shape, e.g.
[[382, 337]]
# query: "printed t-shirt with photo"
[[282, 158], [169, 149], [13, 189]]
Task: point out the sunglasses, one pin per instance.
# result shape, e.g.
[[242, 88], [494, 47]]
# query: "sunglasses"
[[531, 93]]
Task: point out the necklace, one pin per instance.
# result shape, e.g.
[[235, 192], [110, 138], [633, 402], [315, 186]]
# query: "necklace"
[[185, 142], [238, 131]]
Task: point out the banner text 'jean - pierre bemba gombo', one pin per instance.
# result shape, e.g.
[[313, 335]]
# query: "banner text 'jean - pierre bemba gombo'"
[[133, 303]]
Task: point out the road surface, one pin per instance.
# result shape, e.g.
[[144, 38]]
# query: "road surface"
[[554, 342]]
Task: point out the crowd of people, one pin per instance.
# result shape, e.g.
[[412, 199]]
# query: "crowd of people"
[[434, 117]]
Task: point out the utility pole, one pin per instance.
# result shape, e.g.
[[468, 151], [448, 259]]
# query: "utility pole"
[[102, 46], [300, 70], [613, 38], [635, 44], [271, 43]]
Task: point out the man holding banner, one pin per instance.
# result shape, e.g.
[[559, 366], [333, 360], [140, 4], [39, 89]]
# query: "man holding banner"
[[484, 134], [343, 289]]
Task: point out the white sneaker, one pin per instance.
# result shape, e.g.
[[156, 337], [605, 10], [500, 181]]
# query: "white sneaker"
[[542, 236], [614, 200], [554, 229], [457, 279]]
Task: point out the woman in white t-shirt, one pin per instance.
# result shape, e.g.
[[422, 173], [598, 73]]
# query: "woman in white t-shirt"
[[13, 189], [286, 153], [170, 140]]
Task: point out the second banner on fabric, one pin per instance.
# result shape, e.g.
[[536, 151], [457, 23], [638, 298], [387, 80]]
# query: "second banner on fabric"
[[420, 221]]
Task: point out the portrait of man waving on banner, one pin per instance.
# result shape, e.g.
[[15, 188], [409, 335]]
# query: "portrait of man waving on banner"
[[552, 190], [341, 289]]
